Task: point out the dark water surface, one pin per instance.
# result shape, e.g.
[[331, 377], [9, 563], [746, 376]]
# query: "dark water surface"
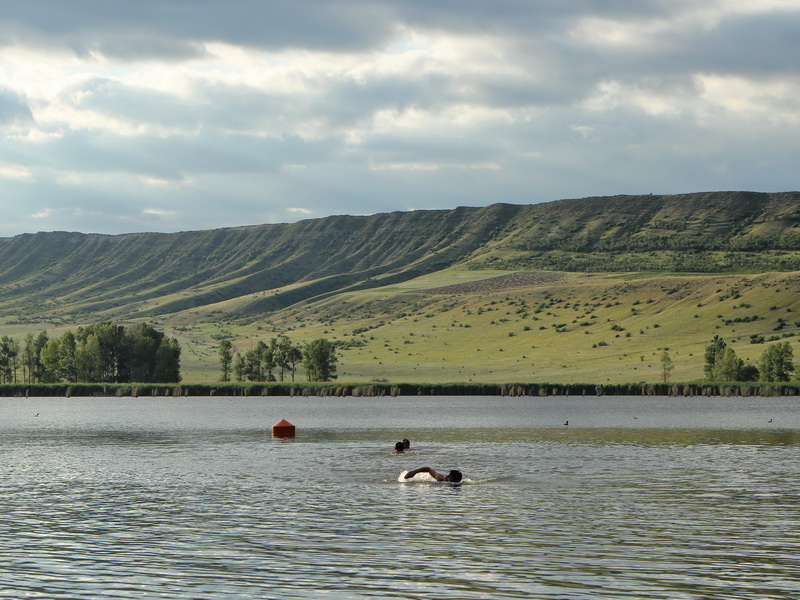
[[673, 498]]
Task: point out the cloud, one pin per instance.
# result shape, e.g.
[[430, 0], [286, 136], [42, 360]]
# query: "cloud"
[[15, 172], [227, 113], [173, 30], [14, 110], [43, 214]]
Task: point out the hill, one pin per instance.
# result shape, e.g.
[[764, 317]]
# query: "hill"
[[72, 276], [347, 277]]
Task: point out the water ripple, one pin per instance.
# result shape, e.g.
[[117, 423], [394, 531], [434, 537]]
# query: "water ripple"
[[207, 512]]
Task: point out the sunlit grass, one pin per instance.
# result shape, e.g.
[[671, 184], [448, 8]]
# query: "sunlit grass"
[[600, 329], [575, 329]]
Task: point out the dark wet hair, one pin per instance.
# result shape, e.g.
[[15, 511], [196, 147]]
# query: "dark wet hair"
[[399, 446], [454, 476], [406, 443]]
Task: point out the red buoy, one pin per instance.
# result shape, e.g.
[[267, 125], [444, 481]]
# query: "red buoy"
[[283, 429]]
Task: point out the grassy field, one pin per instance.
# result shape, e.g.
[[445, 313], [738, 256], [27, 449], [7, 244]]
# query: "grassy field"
[[493, 307], [496, 326]]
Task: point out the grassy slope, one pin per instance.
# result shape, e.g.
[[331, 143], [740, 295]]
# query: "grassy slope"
[[516, 331], [333, 277], [72, 276]]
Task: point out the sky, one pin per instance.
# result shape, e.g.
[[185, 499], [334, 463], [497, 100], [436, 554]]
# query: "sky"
[[173, 115]]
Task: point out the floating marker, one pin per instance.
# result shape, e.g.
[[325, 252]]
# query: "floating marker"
[[283, 429]]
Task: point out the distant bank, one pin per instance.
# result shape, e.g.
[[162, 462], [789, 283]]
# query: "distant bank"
[[397, 390]]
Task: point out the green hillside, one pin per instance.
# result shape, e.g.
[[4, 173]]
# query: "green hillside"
[[588, 290]]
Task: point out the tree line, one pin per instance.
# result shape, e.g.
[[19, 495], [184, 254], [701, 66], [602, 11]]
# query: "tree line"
[[776, 363], [278, 358], [99, 353]]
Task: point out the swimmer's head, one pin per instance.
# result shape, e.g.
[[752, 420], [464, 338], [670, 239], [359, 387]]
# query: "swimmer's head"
[[406, 444], [398, 447], [454, 476]]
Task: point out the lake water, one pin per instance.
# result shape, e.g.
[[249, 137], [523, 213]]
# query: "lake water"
[[162, 498]]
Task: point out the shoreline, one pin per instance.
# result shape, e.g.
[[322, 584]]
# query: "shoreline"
[[135, 390]]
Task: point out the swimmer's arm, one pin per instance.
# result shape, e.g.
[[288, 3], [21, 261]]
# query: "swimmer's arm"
[[410, 474], [428, 470]]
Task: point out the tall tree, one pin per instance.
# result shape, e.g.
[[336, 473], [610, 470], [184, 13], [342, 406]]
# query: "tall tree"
[[50, 357], [294, 358], [113, 352], [729, 366], [28, 356], [225, 359], [14, 354], [287, 356], [141, 345], [722, 363], [259, 362], [666, 366], [319, 360], [713, 357], [268, 357], [9, 349], [89, 359], [239, 367], [776, 362], [69, 365], [168, 362], [33, 356], [105, 353]]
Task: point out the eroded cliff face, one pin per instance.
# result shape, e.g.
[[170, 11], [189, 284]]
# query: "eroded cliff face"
[[252, 270]]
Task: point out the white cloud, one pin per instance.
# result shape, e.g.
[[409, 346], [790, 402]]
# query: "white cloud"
[[45, 213], [16, 172], [159, 212], [156, 181], [775, 102], [432, 166], [69, 179]]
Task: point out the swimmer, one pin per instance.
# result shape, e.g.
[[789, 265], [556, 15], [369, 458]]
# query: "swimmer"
[[452, 476], [406, 444], [398, 448]]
